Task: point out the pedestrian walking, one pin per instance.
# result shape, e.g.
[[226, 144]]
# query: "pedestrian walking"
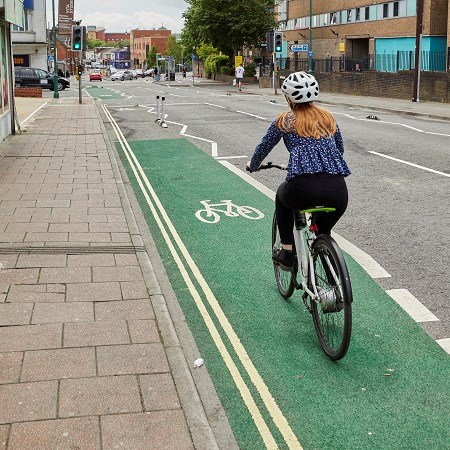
[[316, 170], [239, 73]]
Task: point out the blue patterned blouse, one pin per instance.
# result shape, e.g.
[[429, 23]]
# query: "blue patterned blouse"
[[307, 155]]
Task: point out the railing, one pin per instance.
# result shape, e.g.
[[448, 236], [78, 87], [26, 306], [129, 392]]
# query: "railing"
[[390, 62]]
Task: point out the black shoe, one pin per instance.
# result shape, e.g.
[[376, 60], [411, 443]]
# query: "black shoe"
[[283, 258]]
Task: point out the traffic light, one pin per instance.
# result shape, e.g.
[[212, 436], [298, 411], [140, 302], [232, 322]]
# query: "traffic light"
[[78, 38], [278, 41], [269, 41]]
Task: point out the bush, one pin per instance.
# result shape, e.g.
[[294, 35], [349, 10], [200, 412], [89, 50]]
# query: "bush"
[[226, 70], [213, 64], [250, 70]]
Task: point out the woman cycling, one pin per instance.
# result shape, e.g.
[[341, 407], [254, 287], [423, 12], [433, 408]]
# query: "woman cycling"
[[316, 170]]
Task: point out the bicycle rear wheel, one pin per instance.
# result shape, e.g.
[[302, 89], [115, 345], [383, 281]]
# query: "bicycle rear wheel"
[[284, 279], [332, 312]]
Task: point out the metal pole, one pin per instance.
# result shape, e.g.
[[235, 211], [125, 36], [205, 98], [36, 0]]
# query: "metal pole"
[[310, 68], [193, 59], [275, 72], [161, 122], [157, 109], [418, 52], [80, 101], [55, 57]]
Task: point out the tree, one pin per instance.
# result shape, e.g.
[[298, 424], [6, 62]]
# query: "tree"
[[94, 43], [226, 24], [174, 48], [151, 57]]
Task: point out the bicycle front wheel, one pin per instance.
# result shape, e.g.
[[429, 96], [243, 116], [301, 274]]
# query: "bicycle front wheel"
[[332, 312], [284, 279]]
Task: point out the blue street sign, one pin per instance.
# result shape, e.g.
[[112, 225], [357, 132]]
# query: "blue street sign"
[[299, 47], [50, 57], [310, 53]]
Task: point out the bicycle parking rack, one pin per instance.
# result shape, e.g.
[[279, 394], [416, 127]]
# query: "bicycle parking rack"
[[160, 114]]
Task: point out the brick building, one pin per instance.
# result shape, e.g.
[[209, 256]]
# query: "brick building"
[[141, 42], [385, 30], [94, 32], [116, 37]]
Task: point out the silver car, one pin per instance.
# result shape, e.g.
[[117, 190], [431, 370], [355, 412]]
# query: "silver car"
[[122, 75]]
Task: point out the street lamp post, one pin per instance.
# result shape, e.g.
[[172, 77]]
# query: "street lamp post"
[[310, 68], [55, 57]]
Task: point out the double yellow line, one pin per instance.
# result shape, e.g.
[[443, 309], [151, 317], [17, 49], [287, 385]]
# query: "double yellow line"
[[160, 214]]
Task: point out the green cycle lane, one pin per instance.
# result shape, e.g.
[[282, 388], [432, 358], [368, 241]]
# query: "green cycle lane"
[[390, 391], [102, 93]]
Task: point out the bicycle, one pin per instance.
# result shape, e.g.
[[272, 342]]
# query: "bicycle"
[[319, 270]]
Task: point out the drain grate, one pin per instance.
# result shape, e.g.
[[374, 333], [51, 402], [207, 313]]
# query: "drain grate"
[[122, 249]]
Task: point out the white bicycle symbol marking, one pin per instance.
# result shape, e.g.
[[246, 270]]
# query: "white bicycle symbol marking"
[[211, 212]]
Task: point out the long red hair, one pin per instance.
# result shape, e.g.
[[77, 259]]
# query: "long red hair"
[[308, 121]]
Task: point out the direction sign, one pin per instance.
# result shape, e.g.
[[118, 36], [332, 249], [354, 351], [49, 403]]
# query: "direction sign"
[[311, 54], [299, 47]]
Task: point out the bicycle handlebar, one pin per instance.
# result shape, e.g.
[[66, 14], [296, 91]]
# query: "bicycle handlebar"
[[269, 165]]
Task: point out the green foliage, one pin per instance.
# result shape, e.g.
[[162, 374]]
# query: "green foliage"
[[227, 70], [250, 70], [124, 43], [227, 25], [174, 48], [206, 50], [213, 63], [151, 57], [94, 43]]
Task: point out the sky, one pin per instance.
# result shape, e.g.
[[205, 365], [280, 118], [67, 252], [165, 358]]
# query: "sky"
[[118, 16]]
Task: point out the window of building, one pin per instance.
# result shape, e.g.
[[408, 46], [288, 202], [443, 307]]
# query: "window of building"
[[395, 13], [357, 14], [349, 15], [385, 10], [366, 13]]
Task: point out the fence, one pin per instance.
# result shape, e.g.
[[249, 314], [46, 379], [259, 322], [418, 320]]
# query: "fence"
[[392, 62]]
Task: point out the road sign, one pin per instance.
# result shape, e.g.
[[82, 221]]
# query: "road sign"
[[299, 47], [50, 57], [310, 53]]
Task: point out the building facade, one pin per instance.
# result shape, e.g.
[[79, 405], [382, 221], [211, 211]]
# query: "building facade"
[[141, 42], [116, 37], [382, 31], [11, 14], [29, 41], [120, 59]]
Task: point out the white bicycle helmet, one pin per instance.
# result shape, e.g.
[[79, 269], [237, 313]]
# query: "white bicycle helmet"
[[300, 87]]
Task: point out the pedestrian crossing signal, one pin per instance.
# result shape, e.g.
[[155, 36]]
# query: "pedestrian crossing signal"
[[278, 41]]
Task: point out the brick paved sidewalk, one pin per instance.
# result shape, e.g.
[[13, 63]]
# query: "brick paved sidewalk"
[[82, 361]]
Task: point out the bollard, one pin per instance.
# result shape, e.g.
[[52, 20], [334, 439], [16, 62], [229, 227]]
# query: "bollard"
[[161, 122], [157, 120]]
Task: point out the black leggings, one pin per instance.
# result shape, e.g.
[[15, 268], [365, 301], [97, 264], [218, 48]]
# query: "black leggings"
[[308, 191]]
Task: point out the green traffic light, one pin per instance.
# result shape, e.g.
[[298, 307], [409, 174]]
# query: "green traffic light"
[[77, 46]]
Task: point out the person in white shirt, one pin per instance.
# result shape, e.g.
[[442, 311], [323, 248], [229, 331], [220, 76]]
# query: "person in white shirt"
[[239, 75]]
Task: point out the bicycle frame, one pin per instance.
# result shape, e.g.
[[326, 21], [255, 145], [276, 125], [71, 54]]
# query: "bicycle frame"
[[304, 258], [303, 238]]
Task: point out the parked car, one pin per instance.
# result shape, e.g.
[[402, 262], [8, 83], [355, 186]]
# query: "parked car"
[[122, 75], [95, 76], [139, 73], [148, 73], [30, 76]]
